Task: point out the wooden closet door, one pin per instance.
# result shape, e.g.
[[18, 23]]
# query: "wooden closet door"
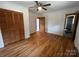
[[11, 24], [18, 18], [21, 26], [3, 24], [7, 28], [42, 24]]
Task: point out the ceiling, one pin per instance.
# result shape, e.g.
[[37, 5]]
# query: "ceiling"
[[55, 5]]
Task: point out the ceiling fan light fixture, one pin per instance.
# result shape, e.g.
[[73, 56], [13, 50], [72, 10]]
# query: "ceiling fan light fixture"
[[39, 8]]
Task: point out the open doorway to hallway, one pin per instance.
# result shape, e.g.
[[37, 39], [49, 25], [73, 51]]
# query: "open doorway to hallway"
[[40, 24]]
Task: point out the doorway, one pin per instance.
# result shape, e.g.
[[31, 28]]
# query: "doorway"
[[70, 26], [40, 24]]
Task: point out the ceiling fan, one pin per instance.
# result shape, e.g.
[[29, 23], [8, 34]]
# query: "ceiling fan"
[[40, 5]]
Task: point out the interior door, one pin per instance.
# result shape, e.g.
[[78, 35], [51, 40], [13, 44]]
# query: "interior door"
[[42, 24]]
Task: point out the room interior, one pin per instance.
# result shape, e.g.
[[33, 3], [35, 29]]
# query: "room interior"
[[39, 28]]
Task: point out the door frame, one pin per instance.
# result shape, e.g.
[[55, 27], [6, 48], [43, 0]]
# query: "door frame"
[[75, 24], [39, 23]]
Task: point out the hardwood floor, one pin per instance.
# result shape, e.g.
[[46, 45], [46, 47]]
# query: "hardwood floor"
[[40, 44]]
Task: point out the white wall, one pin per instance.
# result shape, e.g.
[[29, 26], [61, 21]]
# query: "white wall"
[[32, 18], [55, 20], [16, 7]]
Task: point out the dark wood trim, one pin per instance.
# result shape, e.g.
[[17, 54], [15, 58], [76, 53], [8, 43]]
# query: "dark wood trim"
[[76, 24]]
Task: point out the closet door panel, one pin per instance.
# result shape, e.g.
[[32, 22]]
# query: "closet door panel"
[[3, 26], [21, 25], [10, 21], [3, 23]]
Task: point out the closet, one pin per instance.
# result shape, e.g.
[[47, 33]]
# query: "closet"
[[11, 25]]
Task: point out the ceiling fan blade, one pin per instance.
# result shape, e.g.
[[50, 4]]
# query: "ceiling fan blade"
[[47, 5], [44, 8], [37, 3]]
